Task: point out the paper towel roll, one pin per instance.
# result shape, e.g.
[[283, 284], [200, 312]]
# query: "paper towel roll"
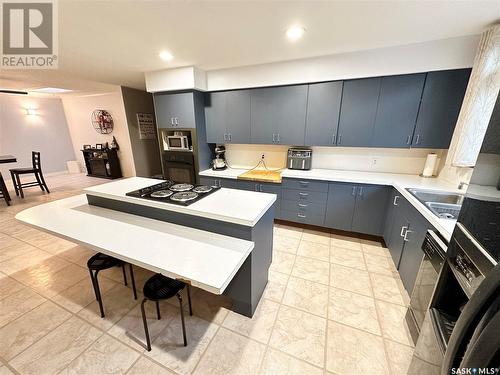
[[430, 165]]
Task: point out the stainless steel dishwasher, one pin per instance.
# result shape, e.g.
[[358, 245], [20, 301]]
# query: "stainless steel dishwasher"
[[434, 248]]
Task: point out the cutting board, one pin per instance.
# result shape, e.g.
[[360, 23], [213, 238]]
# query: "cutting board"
[[261, 175]]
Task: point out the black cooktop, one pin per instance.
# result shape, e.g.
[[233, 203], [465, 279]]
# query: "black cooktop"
[[176, 193]]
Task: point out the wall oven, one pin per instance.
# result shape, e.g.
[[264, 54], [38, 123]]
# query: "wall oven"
[[179, 166]]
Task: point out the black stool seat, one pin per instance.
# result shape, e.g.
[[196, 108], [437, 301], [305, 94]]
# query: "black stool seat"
[[102, 261], [162, 287]]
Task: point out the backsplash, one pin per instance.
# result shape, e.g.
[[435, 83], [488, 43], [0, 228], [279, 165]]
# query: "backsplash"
[[409, 161]]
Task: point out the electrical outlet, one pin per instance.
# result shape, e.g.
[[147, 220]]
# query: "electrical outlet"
[[262, 157], [374, 161]]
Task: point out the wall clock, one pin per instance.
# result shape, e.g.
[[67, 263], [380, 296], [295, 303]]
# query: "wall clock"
[[102, 121]]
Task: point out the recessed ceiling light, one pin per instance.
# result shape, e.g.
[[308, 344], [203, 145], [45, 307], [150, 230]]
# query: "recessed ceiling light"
[[166, 56], [50, 90], [295, 32]]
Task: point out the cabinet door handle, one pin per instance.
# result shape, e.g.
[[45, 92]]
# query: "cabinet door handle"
[[177, 121], [403, 228], [353, 193], [340, 139], [334, 138], [304, 182], [225, 136], [274, 135], [405, 238], [278, 137], [301, 216], [229, 136], [171, 120], [303, 194], [256, 187], [260, 187], [303, 205], [408, 139], [418, 139], [395, 202], [361, 191]]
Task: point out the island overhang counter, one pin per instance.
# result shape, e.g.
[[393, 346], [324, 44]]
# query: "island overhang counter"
[[236, 225]]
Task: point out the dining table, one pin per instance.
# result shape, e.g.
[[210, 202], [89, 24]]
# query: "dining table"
[[7, 159]]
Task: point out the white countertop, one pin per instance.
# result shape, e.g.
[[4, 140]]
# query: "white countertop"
[[229, 205], [208, 260], [399, 181]]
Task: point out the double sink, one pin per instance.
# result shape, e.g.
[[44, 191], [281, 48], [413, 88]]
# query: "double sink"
[[442, 204]]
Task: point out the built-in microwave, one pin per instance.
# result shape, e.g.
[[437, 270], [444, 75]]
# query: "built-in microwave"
[[176, 142]]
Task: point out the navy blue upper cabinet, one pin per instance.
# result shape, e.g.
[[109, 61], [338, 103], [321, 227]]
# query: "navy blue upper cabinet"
[[227, 116], [397, 110], [175, 110], [323, 109], [357, 113], [441, 102], [278, 115]]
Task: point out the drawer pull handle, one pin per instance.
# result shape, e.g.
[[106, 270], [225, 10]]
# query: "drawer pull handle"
[[303, 182], [303, 194], [395, 202], [303, 205], [301, 216], [402, 230]]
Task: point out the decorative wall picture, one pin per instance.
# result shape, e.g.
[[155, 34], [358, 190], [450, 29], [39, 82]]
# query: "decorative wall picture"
[[146, 123], [102, 121], [98, 146], [87, 147]]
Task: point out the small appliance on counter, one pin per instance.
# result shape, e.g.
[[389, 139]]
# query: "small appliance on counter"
[[219, 163], [299, 158]]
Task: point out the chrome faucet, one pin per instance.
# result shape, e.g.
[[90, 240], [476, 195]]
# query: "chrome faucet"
[[461, 185]]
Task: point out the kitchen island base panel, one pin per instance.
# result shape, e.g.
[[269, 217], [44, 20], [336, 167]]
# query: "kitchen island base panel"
[[248, 284]]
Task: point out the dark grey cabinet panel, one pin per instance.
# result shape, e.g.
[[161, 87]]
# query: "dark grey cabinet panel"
[[412, 251], [227, 116], [389, 217], [323, 109], [441, 102], [396, 231], [370, 209], [357, 113], [278, 115], [340, 206], [219, 182], [304, 184], [397, 110], [175, 110]]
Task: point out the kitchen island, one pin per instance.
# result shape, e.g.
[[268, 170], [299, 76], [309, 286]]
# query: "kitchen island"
[[221, 243]]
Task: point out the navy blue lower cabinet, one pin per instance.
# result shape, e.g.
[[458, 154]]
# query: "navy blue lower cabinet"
[[370, 209], [396, 231], [412, 254], [340, 205], [302, 217]]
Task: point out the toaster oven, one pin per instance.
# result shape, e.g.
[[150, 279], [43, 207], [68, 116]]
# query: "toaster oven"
[[299, 158]]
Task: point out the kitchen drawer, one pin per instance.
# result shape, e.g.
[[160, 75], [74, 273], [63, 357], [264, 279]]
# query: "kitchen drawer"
[[303, 184], [304, 196], [301, 217], [304, 207]]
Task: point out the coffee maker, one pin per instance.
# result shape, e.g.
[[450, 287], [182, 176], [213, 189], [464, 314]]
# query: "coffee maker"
[[219, 163]]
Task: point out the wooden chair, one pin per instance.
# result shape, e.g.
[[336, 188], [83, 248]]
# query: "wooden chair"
[[4, 193], [36, 169]]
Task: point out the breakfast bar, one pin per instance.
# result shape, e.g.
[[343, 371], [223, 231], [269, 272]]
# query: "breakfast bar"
[[221, 243]]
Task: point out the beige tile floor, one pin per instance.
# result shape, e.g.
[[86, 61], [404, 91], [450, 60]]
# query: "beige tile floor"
[[333, 305]]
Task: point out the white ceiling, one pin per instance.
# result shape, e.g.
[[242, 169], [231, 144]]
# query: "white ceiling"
[[114, 42]]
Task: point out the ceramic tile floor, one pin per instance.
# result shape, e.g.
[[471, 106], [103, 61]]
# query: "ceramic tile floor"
[[333, 305]]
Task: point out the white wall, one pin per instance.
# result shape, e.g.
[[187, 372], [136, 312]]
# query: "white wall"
[[435, 55], [46, 132], [409, 161], [78, 110]]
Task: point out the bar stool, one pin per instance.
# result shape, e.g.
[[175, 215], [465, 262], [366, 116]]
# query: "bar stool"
[[4, 193], [99, 262], [36, 169], [157, 288]]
